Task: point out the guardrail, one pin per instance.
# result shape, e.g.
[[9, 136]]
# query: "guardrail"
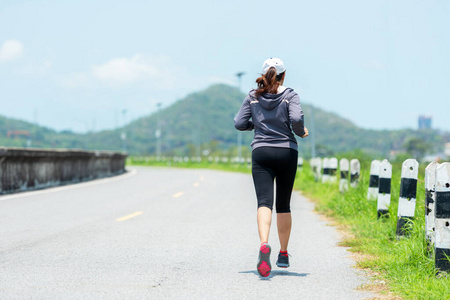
[[30, 169]]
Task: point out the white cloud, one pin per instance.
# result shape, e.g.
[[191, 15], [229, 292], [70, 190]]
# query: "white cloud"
[[157, 70], [10, 50], [37, 69]]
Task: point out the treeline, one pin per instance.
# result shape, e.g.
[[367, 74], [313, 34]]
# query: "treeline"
[[202, 124]]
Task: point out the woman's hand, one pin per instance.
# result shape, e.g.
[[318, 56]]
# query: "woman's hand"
[[306, 133]]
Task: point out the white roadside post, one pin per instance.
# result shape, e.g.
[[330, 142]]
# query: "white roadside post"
[[372, 193], [384, 189], [407, 200], [318, 168], [300, 163], [442, 215], [333, 164], [326, 170], [343, 167], [312, 165], [355, 170], [430, 199]]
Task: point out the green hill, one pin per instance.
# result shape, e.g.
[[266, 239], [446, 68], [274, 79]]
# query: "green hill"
[[203, 121]]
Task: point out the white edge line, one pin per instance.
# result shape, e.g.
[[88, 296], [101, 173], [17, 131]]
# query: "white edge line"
[[48, 190]]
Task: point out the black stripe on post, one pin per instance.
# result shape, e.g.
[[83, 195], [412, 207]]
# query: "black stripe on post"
[[404, 226], [428, 201], [374, 181], [333, 172], [344, 174], [442, 205], [408, 188], [384, 186], [383, 213], [354, 177], [442, 262]]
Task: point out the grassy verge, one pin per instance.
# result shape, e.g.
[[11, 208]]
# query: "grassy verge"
[[242, 168], [404, 265]]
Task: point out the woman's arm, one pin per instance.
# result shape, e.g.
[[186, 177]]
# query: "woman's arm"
[[296, 117], [242, 120]]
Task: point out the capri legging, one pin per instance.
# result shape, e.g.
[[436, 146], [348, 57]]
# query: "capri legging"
[[269, 163]]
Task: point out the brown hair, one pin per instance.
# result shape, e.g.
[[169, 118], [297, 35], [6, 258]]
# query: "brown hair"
[[269, 82]]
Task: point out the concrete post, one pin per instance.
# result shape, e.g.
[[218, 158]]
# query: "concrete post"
[[343, 167], [372, 193], [355, 170], [333, 165], [316, 166], [326, 170], [300, 163], [407, 200], [430, 198], [384, 189], [442, 217]]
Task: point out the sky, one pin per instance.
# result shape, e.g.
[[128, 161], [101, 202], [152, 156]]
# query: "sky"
[[95, 65]]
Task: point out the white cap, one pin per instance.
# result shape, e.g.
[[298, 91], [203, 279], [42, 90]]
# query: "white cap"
[[273, 62]]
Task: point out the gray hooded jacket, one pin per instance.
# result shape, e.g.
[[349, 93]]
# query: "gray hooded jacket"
[[274, 117]]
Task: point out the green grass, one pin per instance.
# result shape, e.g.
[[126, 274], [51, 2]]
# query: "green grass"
[[151, 161], [405, 265]]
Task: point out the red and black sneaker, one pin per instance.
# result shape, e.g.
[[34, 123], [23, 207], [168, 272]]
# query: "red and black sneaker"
[[283, 259], [264, 267]]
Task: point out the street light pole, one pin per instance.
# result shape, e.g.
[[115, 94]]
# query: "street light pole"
[[158, 132], [124, 134], [239, 139], [313, 134]]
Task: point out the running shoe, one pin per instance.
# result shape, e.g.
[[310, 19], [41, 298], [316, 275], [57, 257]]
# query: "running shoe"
[[263, 265], [283, 260]]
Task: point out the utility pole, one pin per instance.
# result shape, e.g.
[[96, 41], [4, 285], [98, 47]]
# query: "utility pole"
[[313, 134], [123, 136], [158, 132], [239, 138]]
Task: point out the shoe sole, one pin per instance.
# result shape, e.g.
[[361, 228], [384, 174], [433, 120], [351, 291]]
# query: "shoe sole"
[[282, 265], [264, 266]]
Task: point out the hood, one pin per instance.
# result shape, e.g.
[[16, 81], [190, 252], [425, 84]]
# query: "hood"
[[270, 101]]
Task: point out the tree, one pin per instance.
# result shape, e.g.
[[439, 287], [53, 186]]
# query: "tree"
[[415, 147]]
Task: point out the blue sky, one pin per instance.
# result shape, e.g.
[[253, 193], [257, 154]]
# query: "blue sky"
[[78, 64]]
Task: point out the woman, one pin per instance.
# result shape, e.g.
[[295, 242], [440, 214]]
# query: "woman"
[[274, 111]]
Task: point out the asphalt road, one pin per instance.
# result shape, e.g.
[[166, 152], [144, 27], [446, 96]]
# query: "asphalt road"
[[158, 233]]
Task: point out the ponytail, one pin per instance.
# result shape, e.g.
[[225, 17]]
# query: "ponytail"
[[269, 82]]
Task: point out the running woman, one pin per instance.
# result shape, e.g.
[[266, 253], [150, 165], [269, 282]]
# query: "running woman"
[[274, 112]]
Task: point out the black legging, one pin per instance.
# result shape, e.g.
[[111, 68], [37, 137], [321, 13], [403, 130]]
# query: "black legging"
[[269, 163]]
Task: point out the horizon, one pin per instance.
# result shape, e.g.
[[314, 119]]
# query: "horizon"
[[106, 64], [203, 90]]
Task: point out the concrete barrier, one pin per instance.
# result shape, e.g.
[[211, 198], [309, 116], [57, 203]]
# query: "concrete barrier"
[[355, 171], [30, 169], [442, 218], [384, 189], [430, 199], [344, 166], [407, 200]]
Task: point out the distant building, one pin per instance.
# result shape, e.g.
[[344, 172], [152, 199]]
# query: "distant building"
[[425, 121]]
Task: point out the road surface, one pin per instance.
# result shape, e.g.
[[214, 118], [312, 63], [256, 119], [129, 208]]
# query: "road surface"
[[161, 233]]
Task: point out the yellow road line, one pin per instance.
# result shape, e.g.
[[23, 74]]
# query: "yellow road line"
[[135, 214], [178, 194]]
